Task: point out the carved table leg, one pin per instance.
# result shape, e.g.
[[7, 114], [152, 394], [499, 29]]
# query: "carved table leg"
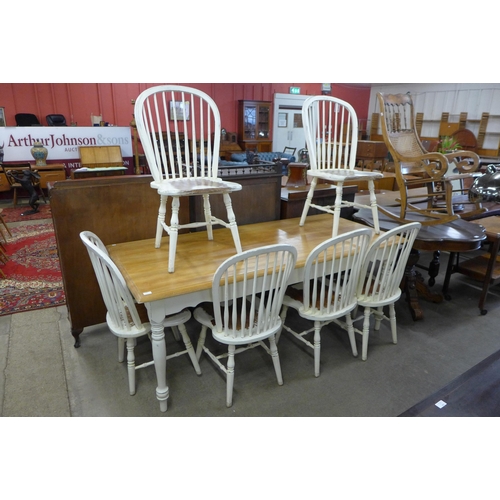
[[434, 267], [413, 286], [409, 286]]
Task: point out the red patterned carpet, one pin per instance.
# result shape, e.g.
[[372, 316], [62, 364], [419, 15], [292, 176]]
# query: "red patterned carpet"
[[32, 274], [14, 214]]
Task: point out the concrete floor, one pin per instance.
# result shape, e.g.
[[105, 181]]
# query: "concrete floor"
[[42, 374]]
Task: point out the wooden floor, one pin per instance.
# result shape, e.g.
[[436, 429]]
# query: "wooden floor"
[[476, 393]]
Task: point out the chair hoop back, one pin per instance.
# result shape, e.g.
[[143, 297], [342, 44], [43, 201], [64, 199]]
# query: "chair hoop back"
[[179, 128], [385, 262], [260, 276], [122, 312], [331, 130], [331, 273]]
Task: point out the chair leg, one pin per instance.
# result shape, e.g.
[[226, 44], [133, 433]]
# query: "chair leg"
[[317, 347], [284, 311], [161, 220], [208, 216], [366, 333], [392, 318], [3, 256], [2, 220], [276, 360], [189, 348], [373, 204], [308, 201], [336, 210], [230, 376], [121, 349], [201, 342], [14, 198], [350, 332], [131, 365], [175, 331], [379, 316], [174, 232], [232, 222]]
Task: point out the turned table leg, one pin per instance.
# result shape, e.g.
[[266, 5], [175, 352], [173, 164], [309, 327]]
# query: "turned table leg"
[[413, 286]]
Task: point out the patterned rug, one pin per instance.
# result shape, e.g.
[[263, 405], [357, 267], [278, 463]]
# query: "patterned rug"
[[32, 274], [14, 214]]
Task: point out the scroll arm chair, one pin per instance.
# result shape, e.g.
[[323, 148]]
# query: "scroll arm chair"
[[331, 132], [415, 167], [123, 318], [242, 316], [380, 277], [328, 290], [179, 128]]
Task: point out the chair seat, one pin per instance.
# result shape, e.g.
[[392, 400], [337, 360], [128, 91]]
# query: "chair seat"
[[204, 315], [294, 297], [366, 300], [195, 186], [339, 174]]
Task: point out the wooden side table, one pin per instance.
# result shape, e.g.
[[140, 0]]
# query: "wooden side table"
[[484, 267]]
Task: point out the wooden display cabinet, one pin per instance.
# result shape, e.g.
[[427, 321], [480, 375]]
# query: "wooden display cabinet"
[[254, 126]]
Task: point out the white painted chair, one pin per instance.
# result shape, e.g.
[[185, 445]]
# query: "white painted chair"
[[380, 278], [328, 290], [245, 315], [122, 316], [179, 128], [331, 132]]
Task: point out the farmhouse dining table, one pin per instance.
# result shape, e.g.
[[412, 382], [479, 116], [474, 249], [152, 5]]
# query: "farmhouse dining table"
[[144, 268]]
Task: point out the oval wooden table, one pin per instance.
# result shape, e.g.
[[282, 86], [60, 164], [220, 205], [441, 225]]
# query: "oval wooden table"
[[455, 237]]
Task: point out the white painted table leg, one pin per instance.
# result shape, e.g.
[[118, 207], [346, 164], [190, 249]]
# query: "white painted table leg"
[[156, 315]]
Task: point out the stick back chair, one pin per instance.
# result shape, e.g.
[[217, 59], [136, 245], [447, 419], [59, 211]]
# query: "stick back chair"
[[416, 167], [380, 278], [331, 132], [123, 318], [247, 291], [328, 290], [179, 128]]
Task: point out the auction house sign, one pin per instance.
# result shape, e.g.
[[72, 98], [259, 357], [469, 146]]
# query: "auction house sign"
[[62, 142]]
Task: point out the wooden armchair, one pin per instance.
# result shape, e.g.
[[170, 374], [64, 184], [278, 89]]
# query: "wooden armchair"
[[442, 175]]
